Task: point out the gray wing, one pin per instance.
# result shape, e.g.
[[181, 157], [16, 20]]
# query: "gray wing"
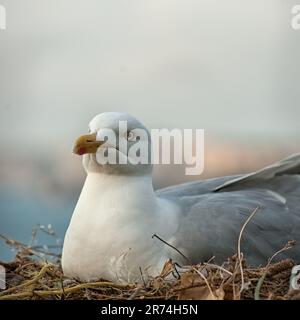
[[214, 211]]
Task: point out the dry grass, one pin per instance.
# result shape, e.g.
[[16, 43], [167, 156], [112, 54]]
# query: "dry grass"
[[37, 279]]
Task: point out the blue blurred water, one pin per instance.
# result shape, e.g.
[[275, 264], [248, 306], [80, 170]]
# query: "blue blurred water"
[[21, 210]]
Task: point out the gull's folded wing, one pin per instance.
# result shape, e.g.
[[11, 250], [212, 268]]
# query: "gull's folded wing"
[[290, 165]]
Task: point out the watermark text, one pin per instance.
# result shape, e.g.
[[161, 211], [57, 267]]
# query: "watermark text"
[[2, 17], [135, 146], [295, 22]]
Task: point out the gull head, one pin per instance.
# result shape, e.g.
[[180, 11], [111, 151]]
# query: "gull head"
[[117, 143]]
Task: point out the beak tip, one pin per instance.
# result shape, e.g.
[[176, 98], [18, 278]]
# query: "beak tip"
[[79, 151], [86, 144]]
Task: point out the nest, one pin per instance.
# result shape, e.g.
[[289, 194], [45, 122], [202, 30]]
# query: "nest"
[[32, 277]]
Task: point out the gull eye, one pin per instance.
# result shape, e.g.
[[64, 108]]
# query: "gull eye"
[[130, 136]]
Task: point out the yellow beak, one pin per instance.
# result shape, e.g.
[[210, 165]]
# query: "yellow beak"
[[86, 144]]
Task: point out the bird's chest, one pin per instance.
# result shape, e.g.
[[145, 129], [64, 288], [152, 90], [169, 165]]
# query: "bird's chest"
[[113, 237], [111, 232]]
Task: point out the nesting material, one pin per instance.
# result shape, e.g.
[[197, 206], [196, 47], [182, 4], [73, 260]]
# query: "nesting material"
[[34, 278]]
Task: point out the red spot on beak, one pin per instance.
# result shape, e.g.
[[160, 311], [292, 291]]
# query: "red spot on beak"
[[81, 151]]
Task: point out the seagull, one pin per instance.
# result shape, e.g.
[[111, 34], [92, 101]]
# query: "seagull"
[[110, 235]]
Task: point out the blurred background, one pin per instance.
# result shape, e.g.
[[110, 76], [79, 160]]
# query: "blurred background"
[[230, 67]]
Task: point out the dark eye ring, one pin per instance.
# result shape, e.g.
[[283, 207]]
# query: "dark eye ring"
[[130, 136]]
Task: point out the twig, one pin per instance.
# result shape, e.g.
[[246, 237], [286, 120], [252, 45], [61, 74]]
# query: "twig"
[[218, 267], [142, 276], [44, 293], [175, 264], [288, 246], [168, 244], [206, 282], [135, 293], [63, 295], [27, 283], [240, 258], [31, 250]]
